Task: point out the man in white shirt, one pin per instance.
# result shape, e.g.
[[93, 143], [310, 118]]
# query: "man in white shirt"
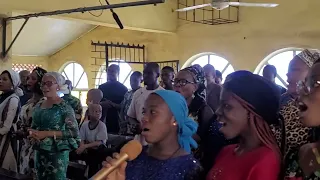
[[151, 74]]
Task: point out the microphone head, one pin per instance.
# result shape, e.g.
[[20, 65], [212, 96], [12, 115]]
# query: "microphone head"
[[132, 149]]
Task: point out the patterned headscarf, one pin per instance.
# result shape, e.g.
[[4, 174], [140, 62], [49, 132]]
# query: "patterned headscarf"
[[308, 57], [199, 98], [40, 72], [187, 127], [199, 77]]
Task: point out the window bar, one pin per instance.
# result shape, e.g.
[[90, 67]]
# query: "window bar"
[[74, 69], [79, 80], [129, 52], [139, 54], [107, 54], [144, 57], [224, 69], [120, 51], [208, 59], [134, 54]]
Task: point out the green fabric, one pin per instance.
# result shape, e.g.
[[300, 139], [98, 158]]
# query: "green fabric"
[[60, 117], [75, 104], [51, 166]]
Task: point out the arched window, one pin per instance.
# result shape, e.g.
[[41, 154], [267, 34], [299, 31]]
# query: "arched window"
[[280, 59], [218, 62], [76, 74], [124, 76]]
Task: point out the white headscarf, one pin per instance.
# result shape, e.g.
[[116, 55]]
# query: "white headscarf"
[[63, 88], [15, 82]]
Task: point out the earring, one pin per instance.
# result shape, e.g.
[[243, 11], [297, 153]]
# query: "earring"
[[174, 124]]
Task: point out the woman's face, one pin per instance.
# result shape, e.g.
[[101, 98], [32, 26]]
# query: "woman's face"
[[232, 116], [5, 82], [185, 84], [157, 121], [32, 80], [297, 71], [309, 104], [49, 86]]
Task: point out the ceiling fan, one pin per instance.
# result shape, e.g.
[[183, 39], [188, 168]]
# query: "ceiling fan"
[[222, 4]]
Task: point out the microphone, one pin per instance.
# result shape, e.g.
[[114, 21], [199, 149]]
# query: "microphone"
[[128, 152], [115, 17]]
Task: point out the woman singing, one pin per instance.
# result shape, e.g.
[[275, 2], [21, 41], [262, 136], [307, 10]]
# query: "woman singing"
[[248, 105], [54, 130], [309, 106], [189, 82], [9, 111], [26, 162], [168, 130]]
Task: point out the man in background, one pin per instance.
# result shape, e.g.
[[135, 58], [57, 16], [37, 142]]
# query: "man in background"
[[24, 74], [213, 90], [167, 76], [151, 74], [74, 102], [270, 73], [135, 82], [113, 93], [218, 78]]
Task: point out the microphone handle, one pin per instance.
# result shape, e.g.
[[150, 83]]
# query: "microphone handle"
[[104, 172]]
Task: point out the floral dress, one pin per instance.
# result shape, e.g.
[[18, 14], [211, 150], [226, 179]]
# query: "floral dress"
[[26, 151], [52, 155]]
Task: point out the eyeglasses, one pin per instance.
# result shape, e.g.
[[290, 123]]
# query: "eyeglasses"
[[181, 82], [305, 88], [48, 84]]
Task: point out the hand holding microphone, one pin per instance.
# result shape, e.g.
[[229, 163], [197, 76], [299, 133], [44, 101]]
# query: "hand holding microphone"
[[114, 168], [120, 172]]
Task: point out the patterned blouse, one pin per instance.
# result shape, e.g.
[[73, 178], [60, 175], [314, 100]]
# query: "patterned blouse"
[[60, 117]]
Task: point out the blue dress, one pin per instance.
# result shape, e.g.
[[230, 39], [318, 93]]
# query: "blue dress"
[[149, 168]]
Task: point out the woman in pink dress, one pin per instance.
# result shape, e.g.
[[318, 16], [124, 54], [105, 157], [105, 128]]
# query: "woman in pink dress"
[[248, 106]]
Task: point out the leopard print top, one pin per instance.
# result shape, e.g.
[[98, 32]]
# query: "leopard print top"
[[296, 136]]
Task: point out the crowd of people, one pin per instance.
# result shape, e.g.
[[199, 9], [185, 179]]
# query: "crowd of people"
[[191, 125]]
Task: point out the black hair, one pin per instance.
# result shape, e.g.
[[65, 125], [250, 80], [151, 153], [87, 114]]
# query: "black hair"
[[211, 68], [115, 66], [154, 66], [136, 74], [272, 68], [218, 74], [40, 73], [169, 68]]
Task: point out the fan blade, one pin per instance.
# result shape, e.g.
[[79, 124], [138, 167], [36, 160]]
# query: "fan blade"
[[193, 7], [267, 5]]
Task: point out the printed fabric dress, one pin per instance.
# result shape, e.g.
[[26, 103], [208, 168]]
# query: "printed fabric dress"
[[52, 155], [26, 160]]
